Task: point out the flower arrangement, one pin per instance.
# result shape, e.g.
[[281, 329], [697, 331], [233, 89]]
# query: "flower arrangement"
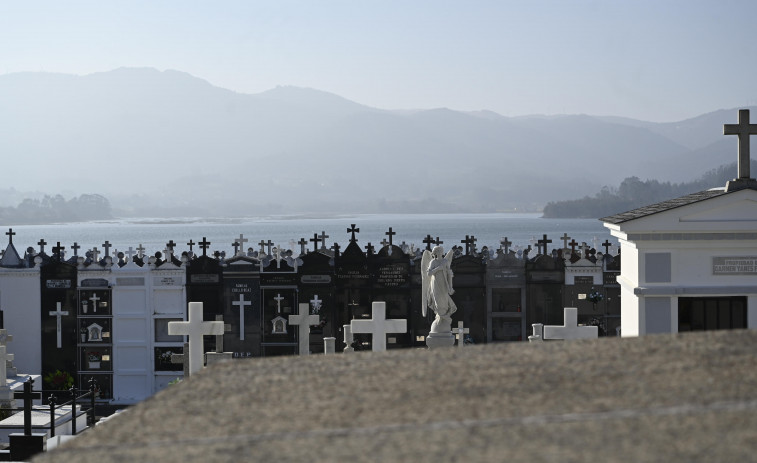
[[59, 380], [595, 296]]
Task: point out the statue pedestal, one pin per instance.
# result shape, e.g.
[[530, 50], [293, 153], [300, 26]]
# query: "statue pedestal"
[[439, 340]]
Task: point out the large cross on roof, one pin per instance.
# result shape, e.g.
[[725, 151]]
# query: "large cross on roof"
[[742, 130]]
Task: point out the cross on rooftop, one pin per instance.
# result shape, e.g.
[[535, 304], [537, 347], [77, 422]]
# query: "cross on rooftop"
[[607, 245], [170, 245], [195, 328], [390, 234], [384, 242], [57, 250], [140, 250], [204, 245], [42, 244], [323, 237], [565, 239], [303, 242], [428, 241], [573, 245], [240, 243], [76, 247], [241, 304], [543, 242], [742, 130], [190, 244], [336, 248], [505, 244], [10, 234], [236, 247], [269, 245], [315, 240], [438, 241], [379, 326], [369, 248], [353, 230], [466, 242], [130, 252], [303, 320], [107, 246], [95, 254]]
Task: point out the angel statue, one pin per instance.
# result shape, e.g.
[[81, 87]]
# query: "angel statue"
[[437, 289]]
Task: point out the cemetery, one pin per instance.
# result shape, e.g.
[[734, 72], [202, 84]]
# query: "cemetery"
[[129, 324]]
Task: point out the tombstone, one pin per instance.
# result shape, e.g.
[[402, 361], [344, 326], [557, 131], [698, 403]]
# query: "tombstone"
[[352, 293], [583, 278], [317, 286], [538, 333], [470, 295], [59, 330], [329, 345], [390, 272], [205, 283], [94, 330], [545, 277], [242, 307], [570, 329], [279, 298], [304, 320], [219, 355], [195, 328], [378, 326], [460, 333], [506, 298]]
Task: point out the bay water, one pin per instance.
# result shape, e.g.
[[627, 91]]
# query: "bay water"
[[285, 231]]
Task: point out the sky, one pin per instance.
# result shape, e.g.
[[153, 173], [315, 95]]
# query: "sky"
[[656, 60]]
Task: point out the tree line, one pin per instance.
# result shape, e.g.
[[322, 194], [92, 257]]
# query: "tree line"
[[633, 193], [56, 209]]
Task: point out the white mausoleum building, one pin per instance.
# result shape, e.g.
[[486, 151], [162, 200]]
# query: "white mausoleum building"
[[690, 263]]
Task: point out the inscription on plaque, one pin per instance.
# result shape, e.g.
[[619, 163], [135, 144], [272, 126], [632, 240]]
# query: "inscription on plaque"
[[392, 275], [130, 281], [166, 281], [734, 265], [58, 284], [204, 278]]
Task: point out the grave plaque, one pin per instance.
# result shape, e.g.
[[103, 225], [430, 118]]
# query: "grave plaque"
[[242, 311], [60, 330]]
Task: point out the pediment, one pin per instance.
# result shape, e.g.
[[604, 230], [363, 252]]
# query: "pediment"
[[744, 210]]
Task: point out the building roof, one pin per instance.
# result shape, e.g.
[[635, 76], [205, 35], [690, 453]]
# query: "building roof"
[[687, 397], [663, 206]]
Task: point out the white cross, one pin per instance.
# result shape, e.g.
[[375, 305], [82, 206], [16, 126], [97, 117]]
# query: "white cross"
[[240, 241], [277, 256], [140, 251], [241, 303], [278, 300], [94, 300], [461, 332], [379, 326], [348, 338], [168, 251], [59, 313], [304, 320], [195, 328], [570, 328], [130, 253]]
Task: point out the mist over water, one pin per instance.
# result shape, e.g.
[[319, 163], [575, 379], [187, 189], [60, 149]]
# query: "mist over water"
[[283, 231]]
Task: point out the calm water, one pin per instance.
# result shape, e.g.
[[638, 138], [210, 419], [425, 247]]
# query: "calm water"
[[285, 231]]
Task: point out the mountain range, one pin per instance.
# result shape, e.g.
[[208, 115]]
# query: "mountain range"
[[167, 143]]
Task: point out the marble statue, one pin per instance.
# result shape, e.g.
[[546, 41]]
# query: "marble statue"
[[437, 289]]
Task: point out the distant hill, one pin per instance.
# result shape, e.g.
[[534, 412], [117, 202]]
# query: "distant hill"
[[170, 143], [633, 193]]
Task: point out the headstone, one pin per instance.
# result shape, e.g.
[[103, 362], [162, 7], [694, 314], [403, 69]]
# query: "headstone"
[[538, 335], [304, 320], [460, 331], [195, 328], [570, 328], [378, 326], [329, 345]]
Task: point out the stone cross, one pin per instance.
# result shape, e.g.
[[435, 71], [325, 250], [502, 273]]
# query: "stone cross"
[[460, 332], [384, 243], [76, 248], [57, 314], [10, 234], [316, 303], [190, 244], [570, 328], [353, 230], [58, 250], [278, 300], [428, 241], [505, 244], [742, 130], [42, 244], [543, 242], [323, 237], [303, 242], [182, 358], [315, 240], [304, 320], [241, 303], [369, 248], [204, 245], [348, 338], [438, 241], [378, 326], [277, 256], [106, 245], [130, 252], [390, 234], [140, 251], [95, 255], [573, 245], [565, 239], [195, 328], [607, 245], [240, 242]]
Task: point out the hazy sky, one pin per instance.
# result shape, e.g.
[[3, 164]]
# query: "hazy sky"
[[661, 60]]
